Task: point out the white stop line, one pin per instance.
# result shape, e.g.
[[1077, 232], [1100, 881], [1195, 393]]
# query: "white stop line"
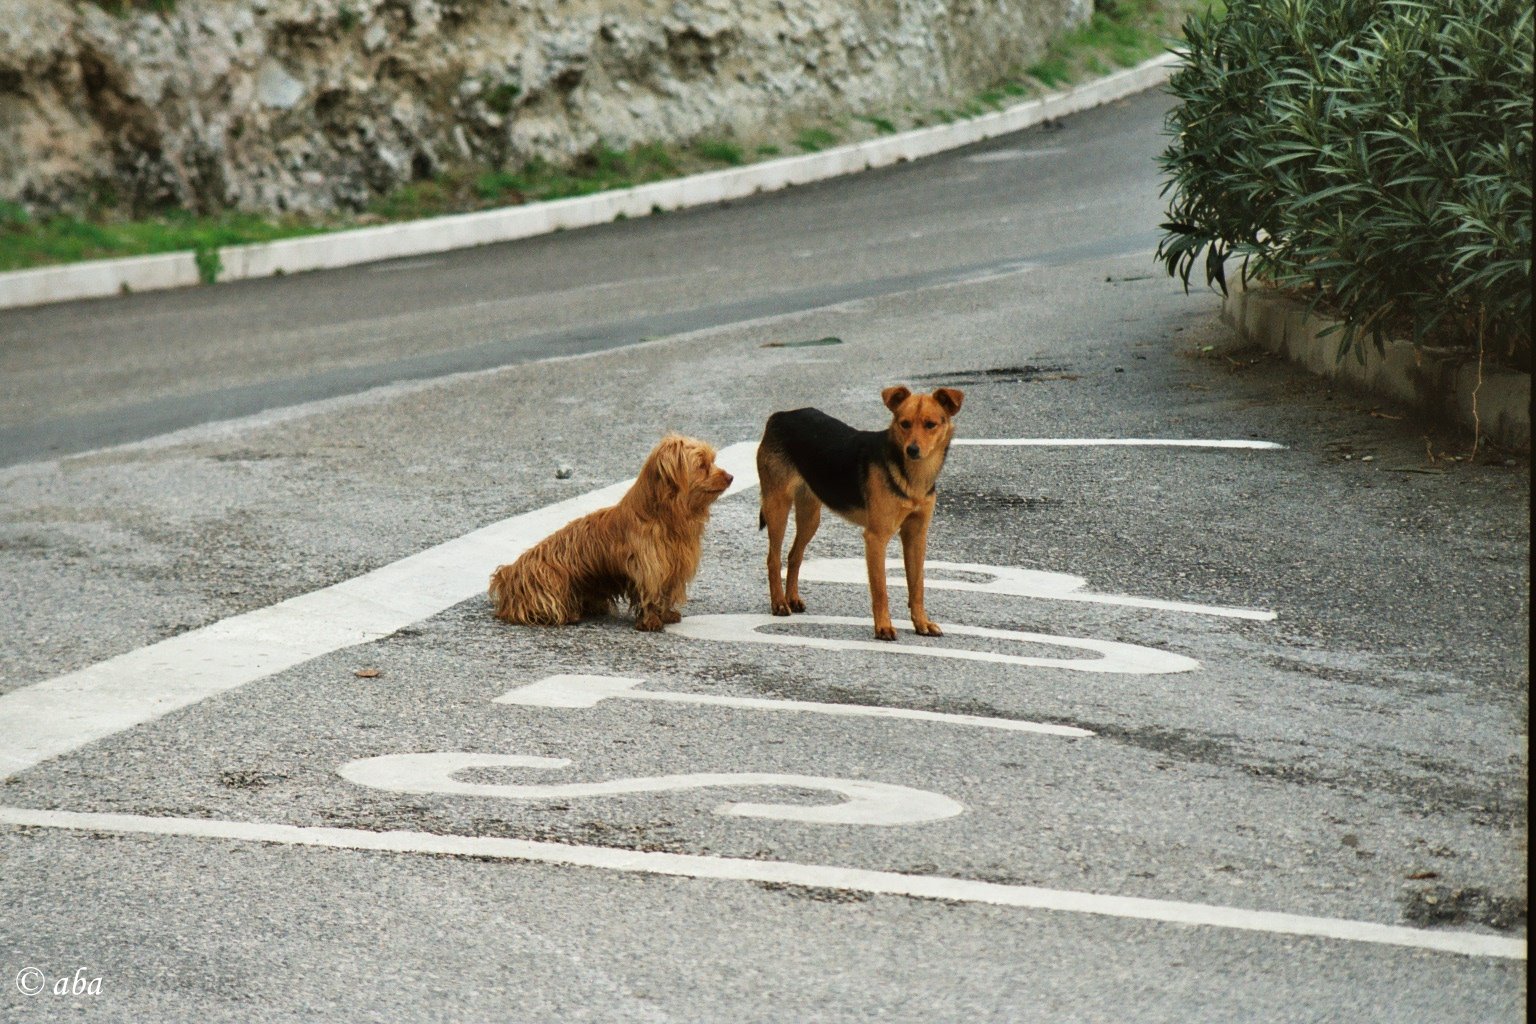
[[932, 887]]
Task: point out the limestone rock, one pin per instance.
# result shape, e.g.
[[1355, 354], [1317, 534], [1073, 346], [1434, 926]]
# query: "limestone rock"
[[318, 105]]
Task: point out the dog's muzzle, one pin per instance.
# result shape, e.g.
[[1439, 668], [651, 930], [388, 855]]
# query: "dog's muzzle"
[[914, 452]]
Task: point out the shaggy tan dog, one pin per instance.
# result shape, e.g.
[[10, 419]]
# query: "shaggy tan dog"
[[645, 549]]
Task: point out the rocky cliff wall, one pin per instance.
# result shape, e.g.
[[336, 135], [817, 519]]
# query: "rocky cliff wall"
[[318, 105]]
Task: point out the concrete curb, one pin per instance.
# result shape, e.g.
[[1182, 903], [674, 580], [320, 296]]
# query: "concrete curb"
[[1438, 382], [439, 234]]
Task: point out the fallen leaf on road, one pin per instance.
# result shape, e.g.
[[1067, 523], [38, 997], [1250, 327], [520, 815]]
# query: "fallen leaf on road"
[[367, 673]]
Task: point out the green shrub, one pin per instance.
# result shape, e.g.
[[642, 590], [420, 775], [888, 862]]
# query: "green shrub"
[[1375, 153]]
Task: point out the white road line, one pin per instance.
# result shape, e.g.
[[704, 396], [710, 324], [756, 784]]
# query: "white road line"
[[1131, 659], [866, 803], [65, 713], [1013, 581], [1000, 155], [585, 691], [779, 872], [1112, 442]]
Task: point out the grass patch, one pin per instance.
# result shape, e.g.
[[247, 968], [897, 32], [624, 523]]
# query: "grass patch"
[[882, 125], [814, 140], [1120, 33], [720, 152], [27, 243], [126, 8]]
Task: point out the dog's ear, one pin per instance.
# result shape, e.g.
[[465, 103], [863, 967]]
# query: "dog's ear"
[[667, 467], [949, 398], [893, 397]]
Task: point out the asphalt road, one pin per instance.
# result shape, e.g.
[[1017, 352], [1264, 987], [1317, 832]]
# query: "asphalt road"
[[176, 464]]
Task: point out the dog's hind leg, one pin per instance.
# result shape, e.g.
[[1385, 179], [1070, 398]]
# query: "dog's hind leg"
[[776, 516], [593, 605], [807, 519], [776, 501]]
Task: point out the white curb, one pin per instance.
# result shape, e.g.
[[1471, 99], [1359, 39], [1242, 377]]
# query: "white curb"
[[439, 234]]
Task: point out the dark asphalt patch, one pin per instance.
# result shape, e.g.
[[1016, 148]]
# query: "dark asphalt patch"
[[1000, 375], [1444, 905]]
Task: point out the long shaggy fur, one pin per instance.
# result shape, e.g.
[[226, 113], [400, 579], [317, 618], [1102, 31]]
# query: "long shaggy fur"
[[644, 550]]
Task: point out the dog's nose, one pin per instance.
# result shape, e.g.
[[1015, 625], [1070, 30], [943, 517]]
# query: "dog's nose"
[[913, 451], [728, 477]]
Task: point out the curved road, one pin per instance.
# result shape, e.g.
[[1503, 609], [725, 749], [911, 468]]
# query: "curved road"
[[1217, 733]]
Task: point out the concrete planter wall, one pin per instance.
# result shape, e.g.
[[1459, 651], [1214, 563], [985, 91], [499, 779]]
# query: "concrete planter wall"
[[1437, 382]]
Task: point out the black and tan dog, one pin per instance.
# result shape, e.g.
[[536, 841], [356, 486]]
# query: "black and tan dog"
[[881, 480]]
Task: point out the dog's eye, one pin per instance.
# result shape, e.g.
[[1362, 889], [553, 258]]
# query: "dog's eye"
[[906, 424], [930, 424]]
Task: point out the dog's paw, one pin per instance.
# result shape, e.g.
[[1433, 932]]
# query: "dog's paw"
[[929, 628], [650, 623], [781, 608], [886, 632], [671, 616], [796, 605]]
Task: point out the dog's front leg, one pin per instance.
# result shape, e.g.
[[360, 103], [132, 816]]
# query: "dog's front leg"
[[674, 601], [657, 601], [649, 599], [874, 560], [649, 618], [914, 552]]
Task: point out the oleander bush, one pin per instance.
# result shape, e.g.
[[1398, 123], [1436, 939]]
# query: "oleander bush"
[[1375, 154]]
